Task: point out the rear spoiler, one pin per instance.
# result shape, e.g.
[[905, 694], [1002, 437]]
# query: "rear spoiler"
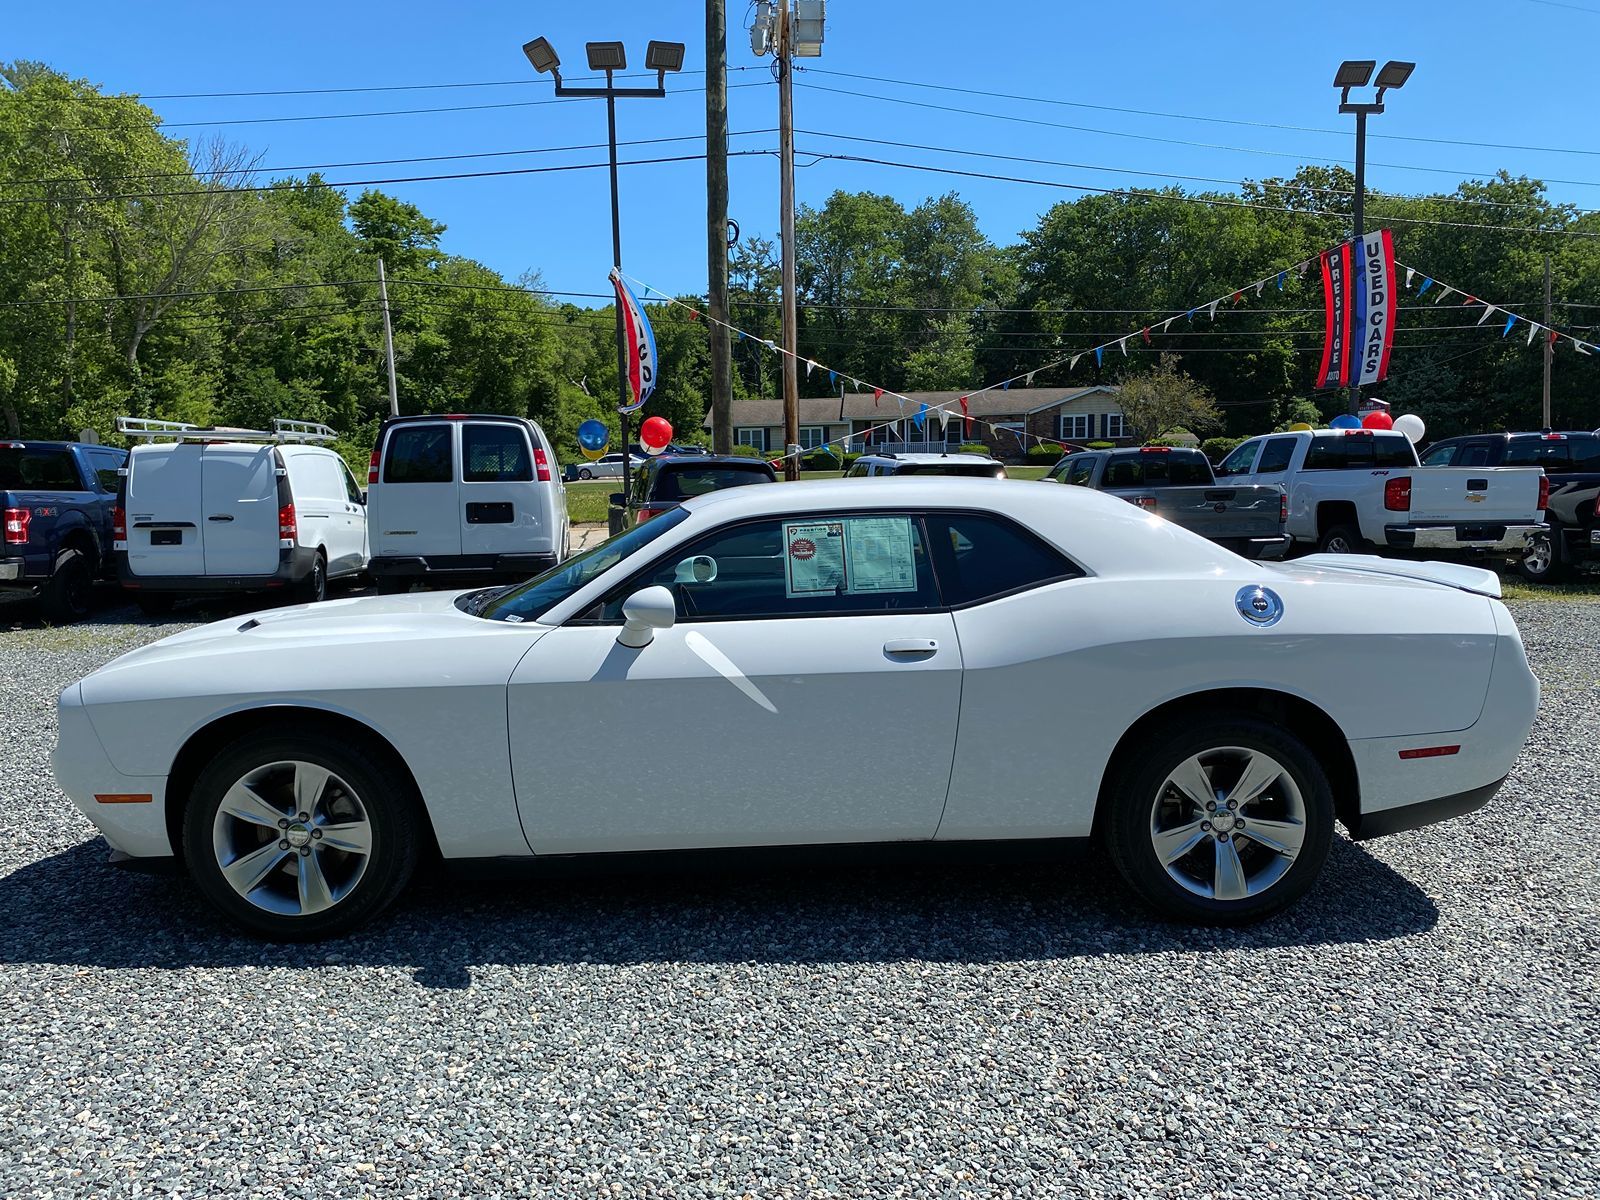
[[1463, 578]]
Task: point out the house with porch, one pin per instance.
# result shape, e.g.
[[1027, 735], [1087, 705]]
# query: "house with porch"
[[1002, 420]]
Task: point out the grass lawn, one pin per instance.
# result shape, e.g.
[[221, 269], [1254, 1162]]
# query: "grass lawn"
[[1584, 590]]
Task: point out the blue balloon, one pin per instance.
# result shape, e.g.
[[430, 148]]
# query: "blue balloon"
[[1344, 421], [593, 435]]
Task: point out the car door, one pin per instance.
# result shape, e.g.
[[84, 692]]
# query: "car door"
[[417, 513], [319, 503], [239, 497], [807, 694], [502, 511], [356, 519]]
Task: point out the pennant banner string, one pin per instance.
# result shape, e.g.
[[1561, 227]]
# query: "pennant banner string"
[[1554, 336]]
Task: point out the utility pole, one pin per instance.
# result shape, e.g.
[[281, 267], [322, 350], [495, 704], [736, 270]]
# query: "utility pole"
[[1359, 217], [791, 375], [1549, 348], [388, 340], [717, 226]]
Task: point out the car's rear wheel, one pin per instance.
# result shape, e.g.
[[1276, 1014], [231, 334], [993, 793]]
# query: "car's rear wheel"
[[1221, 821], [297, 835], [1544, 563], [585, 473], [66, 595], [313, 589], [1343, 539]]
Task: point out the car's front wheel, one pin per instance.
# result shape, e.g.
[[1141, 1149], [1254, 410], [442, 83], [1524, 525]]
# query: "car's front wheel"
[[297, 835], [1221, 821], [585, 473]]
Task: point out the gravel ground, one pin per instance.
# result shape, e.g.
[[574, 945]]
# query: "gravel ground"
[[1425, 1025]]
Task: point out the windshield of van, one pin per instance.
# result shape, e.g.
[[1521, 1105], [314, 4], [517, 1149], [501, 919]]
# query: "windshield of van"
[[530, 601]]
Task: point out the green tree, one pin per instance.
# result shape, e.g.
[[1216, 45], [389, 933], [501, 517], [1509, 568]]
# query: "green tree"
[[1163, 401]]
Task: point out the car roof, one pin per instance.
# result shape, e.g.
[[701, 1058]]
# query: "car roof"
[[715, 460], [929, 458]]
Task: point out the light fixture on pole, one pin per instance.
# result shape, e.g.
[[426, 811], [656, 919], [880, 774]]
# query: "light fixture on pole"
[[788, 31], [612, 57], [1355, 73]]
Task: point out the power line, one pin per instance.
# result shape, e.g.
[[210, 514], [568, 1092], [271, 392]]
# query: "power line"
[[250, 289], [1179, 196], [344, 183], [1150, 137], [1144, 112]]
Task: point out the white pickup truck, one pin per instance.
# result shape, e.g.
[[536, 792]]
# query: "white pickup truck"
[[1354, 490]]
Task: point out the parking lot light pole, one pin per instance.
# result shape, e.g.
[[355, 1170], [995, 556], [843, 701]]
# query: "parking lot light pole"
[[610, 57], [1354, 73]]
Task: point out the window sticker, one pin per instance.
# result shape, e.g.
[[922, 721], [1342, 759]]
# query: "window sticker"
[[880, 555], [814, 559]]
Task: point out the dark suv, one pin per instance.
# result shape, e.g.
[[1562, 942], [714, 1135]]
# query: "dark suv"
[[666, 482], [1571, 462]]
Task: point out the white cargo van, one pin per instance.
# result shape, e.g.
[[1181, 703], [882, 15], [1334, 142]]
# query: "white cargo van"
[[465, 499], [226, 510]]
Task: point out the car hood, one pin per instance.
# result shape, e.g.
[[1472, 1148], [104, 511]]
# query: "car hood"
[[356, 620]]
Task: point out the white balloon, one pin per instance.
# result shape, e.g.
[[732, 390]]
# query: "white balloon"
[[1411, 425]]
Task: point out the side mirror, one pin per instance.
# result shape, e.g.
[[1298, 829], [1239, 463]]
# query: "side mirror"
[[702, 568], [363, 499], [615, 499], [643, 613]]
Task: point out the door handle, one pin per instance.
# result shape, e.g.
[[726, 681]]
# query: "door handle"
[[219, 517], [910, 647]]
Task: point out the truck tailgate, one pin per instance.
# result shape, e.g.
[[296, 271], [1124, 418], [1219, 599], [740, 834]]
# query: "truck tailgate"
[[1218, 511], [1480, 495]]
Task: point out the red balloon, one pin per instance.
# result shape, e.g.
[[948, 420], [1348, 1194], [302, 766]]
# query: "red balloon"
[[1377, 419], [656, 431]]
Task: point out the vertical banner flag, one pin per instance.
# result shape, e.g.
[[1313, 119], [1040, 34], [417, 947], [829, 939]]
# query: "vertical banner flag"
[[640, 343], [1335, 368], [1373, 295]]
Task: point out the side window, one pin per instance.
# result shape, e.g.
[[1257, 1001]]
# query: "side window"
[[983, 557], [1440, 456], [1475, 455], [797, 566], [495, 454], [352, 489], [1239, 462], [1275, 458], [418, 454], [106, 464], [1080, 471], [857, 469]]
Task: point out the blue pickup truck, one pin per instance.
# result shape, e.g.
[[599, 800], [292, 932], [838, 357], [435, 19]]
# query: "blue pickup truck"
[[60, 500]]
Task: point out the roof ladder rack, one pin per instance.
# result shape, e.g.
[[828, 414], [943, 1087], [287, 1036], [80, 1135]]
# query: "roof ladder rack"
[[283, 430]]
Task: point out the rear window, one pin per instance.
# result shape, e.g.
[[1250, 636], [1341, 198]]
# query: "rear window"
[[1157, 470], [418, 454], [682, 483], [1341, 452], [966, 470], [495, 454], [40, 470], [1558, 455]]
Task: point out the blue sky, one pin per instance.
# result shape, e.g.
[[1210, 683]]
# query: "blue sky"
[[1515, 72]]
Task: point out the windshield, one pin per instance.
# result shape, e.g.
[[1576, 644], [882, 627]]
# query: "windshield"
[[530, 601], [1157, 470], [680, 483]]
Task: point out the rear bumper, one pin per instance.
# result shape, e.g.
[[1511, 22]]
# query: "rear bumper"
[[1486, 538], [15, 577], [426, 566], [293, 566], [1415, 816], [1268, 548]]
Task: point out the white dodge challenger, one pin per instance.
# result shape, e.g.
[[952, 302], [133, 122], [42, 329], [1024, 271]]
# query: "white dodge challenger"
[[923, 660]]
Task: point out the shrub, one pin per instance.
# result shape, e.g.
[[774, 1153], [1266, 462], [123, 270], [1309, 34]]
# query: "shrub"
[[974, 448], [746, 452], [1218, 448], [1175, 443], [1046, 450], [1101, 445]]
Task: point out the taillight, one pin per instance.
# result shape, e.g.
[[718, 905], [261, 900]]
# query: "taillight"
[[1148, 503], [541, 463], [646, 513], [288, 527], [119, 529], [1397, 494], [17, 525], [1544, 492], [372, 467], [1283, 508], [1155, 449]]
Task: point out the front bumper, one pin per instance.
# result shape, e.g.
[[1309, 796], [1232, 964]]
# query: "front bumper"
[[1465, 536], [128, 810]]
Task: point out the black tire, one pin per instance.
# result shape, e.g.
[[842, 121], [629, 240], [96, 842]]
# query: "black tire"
[[155, 604], [585, 473], [1546, 559], [1342, 539], [392, 585], [1138, 789], [67, 593], [314, 587], [392, 811]]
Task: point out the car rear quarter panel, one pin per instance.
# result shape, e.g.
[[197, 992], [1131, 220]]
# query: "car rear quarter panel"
[[1055, 676], [438, 697]]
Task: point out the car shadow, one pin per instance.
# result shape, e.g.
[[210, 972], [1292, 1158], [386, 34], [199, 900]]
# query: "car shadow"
[[73, 909]]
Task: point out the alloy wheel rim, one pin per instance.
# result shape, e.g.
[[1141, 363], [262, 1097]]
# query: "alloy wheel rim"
[[1537, 559], [1228, 823], [292, 838], [1338, 546]]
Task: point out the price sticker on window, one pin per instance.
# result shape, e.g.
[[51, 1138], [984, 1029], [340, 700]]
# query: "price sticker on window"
[[814, 559]]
